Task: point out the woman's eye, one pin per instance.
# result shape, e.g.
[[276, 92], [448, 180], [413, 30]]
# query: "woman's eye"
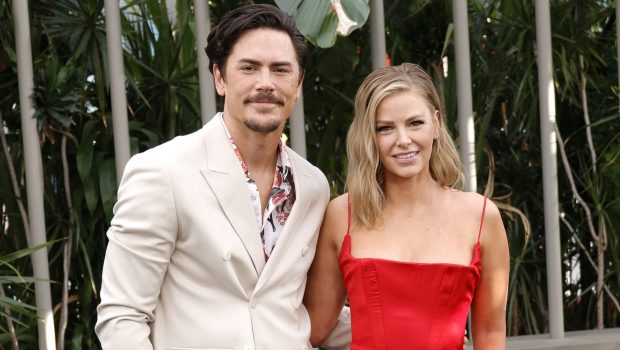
[[416, 123], [383, 128]]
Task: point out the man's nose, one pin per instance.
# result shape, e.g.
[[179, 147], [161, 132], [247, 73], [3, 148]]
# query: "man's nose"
[[265, 80]]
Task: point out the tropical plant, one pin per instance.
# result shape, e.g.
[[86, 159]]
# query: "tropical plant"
[[321, 20], [504, 59]]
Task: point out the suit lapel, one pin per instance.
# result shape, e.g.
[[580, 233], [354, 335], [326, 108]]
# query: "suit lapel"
[[304, 192], [227, 180]]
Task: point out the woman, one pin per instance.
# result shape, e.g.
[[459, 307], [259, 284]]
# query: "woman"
[[411, 252]]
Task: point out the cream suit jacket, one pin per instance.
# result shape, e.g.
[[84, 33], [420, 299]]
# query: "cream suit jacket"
[[184, 267]]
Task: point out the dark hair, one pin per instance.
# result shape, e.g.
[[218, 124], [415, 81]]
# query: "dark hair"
[[236, 22]]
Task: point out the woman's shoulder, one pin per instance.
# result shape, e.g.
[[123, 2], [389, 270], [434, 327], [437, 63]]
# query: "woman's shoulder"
[[336, 219], [478, 209], [340, 201], [465, 198], [473, 202], [338, 208], [487, 214]]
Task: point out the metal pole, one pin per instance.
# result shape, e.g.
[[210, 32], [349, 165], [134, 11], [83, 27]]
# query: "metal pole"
[[297, 125], [377, 34], [207, 89], [549, 164], [463, 87], [34, 177], [117, 86]]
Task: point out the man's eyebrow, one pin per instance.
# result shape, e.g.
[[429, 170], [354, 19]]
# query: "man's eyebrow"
[[258, 63], [249, 60], [281, 63]]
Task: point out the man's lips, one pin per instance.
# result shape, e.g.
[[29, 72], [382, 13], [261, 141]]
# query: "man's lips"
[[264, 101]]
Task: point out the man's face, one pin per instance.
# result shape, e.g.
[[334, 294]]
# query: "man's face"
[[261, 82]]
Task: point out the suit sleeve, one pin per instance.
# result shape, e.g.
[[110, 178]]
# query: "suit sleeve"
[[141, 240]]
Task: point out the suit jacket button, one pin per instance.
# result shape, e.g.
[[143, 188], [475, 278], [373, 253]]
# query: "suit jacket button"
[[226, 255], [304, 347], [252, 302], [304, 251]]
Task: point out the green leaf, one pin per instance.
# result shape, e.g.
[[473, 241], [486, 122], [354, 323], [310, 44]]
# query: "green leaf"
[[87, 266], [107, 186], [310, 17], [289, 6], [327, 34], [84, 157], [17, 279], [358, 11], [4, 260], [16, 305], [91, 192], [6, 315], [134, 145], [446, 41], [317, 19]]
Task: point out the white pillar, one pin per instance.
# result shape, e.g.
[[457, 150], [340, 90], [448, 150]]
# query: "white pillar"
[[207, 88], [377, 34], [34, 176], [550, 172], [297, 126], [467, 135], [120, 126]]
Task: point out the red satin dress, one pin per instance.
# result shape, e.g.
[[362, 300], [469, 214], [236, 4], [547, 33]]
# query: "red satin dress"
[[400, 305]]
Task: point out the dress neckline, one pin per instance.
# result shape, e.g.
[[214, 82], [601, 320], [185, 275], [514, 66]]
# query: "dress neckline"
[[346, 249]]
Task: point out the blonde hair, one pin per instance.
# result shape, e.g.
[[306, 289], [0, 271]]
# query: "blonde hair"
[[365, 174]]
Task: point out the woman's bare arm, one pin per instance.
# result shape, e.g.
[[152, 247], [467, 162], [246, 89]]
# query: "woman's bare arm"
[[325, 292], [489, 303]]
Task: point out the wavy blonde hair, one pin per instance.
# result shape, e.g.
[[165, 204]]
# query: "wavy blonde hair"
[[365, 173]]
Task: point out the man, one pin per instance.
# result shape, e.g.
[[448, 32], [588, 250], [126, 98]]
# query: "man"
[[214, 232]]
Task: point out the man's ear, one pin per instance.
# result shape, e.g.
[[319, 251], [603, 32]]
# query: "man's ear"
[[220, 83]]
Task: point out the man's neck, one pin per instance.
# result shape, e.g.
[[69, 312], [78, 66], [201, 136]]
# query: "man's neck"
[[258, 150]]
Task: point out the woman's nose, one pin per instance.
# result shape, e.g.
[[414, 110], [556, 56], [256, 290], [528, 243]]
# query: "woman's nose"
[[403, 139]]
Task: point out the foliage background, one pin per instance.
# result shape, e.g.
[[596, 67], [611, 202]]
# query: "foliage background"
[[72, 100]]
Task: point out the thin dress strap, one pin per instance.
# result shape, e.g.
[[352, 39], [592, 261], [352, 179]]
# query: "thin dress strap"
[[484, 207], [348, 213]]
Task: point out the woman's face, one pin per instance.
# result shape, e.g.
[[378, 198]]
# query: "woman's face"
[[405, 127]]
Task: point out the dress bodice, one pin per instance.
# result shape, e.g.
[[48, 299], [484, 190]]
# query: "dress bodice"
[[401, 305]]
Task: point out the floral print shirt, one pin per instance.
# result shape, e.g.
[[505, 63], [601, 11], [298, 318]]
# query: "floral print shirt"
[[281, 197]]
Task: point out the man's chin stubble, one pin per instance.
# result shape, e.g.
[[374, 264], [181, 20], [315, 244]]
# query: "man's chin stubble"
[[265, 128]]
